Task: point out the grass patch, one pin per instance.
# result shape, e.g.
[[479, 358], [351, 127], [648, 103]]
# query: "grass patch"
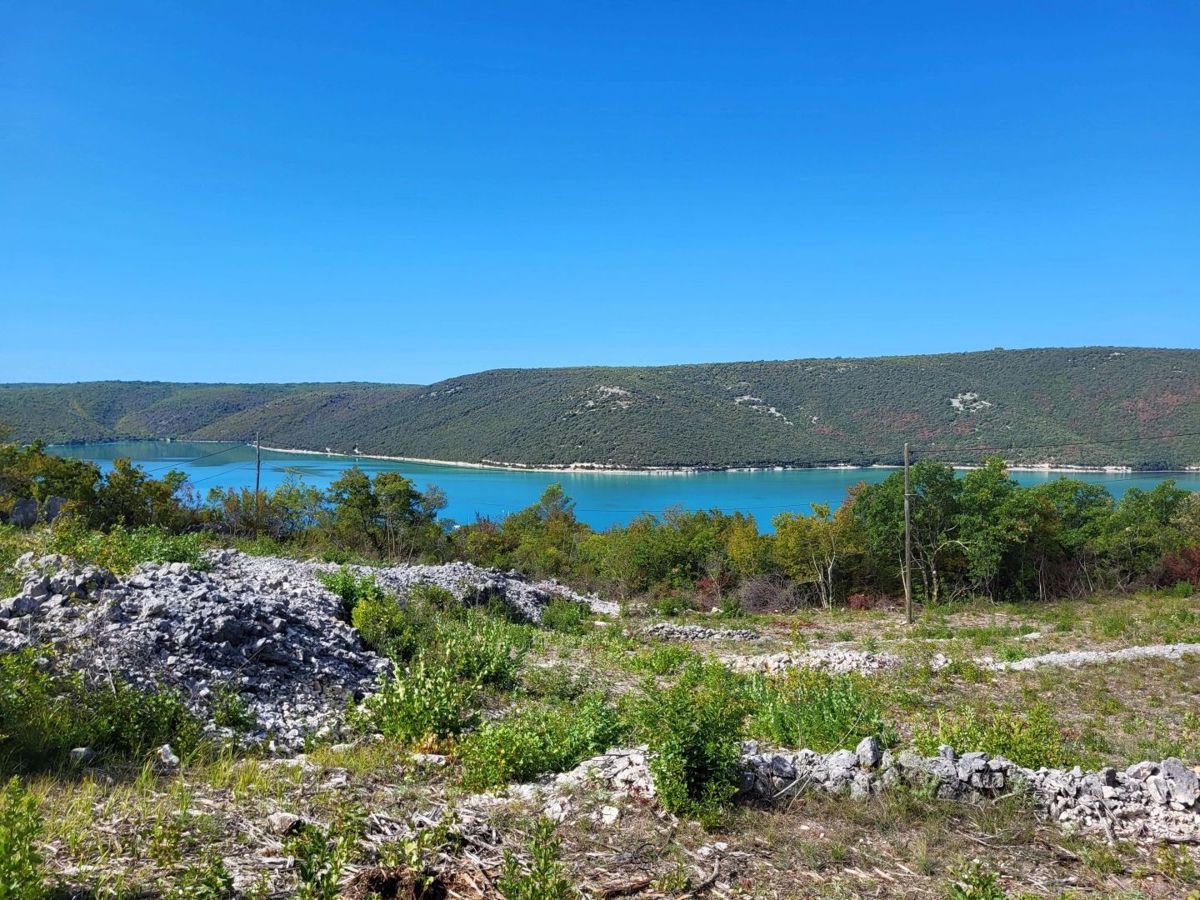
[[537, 740], [43, 716], [1032, 740], [818, 710]]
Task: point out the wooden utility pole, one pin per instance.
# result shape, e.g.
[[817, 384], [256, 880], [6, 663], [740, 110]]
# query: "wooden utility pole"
[[258, 478], [908, 601]]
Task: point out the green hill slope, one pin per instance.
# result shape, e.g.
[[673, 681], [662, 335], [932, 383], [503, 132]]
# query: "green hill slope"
[[798, 412]]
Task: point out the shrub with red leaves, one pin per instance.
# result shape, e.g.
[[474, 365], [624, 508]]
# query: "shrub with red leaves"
[[1182, 566]]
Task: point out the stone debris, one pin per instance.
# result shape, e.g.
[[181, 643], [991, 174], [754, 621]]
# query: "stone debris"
[[264, 628], [1146, 802], [838, 660], [1092, 657], [473, 584], [671, 632]]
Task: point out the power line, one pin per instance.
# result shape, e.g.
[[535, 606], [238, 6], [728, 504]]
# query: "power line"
[[188, 462]]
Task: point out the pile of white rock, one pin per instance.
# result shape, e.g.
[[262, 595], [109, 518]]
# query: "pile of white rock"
[[1147, 801], [670, 631], [265, 628], [839, 660]]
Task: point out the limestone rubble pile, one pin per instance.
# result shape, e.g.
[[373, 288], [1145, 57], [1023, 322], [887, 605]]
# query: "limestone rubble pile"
[[1147, 802], [265, 627], [838, 660], [672, 632]]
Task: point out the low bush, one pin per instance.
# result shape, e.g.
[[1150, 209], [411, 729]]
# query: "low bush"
[[545, 876], [557, 683], [537, 740], [121, 550], [229, 709], [1032, 740], [694, 728], [566, 616], [421, 703], [21, 873], [818, 710], [43, 716], [661, 659], [352, 588], [480, 649]]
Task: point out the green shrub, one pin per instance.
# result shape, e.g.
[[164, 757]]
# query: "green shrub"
[[566, 616], [420, 703], [21, 876], [976, 882], [661, 659], [43, 716], [353, 589], [538, 740], [694, 728], [385, 625], [320, 861], [480, 649], [556, 683], [1032, 740], [672, 605], [545, 877], [229, 709], [818, 710], [121, 550]]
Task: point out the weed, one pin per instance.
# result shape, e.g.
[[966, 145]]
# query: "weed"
[[353, 589], [229, 709], [818, 710], [544, 878], [556, 683], [1031, 740], [43, 716], [661, 659], [539, 740], [694, 729], [424, 701], [21, 875], [566, 616], [976, 882]]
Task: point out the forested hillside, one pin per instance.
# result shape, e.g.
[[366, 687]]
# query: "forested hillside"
[[1037, 405]]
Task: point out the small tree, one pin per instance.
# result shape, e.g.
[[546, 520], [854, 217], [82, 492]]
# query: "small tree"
[[809, 549]]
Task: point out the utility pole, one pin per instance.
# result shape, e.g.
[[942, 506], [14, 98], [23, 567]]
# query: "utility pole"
[[908, 603], [258, 477]]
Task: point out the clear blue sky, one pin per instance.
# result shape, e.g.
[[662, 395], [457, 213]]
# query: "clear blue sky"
[[404, 192]]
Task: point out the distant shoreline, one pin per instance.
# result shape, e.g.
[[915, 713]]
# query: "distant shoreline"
[[608, 469]]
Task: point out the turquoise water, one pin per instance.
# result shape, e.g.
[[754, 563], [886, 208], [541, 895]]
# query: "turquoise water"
[[602, 499]]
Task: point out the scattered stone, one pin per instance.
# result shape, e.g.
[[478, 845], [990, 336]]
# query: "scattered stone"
[[1092, 657], [609, 815], [672, 632], [839, 660], [167, 758], [82, 756], [429, 759]]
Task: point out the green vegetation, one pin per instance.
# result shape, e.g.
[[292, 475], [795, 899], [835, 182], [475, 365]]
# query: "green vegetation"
[[1033, 739], [21, 873], [545, 876], [694, 728], [44, 716], [830, 410], [816, 709], [539, 739]]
